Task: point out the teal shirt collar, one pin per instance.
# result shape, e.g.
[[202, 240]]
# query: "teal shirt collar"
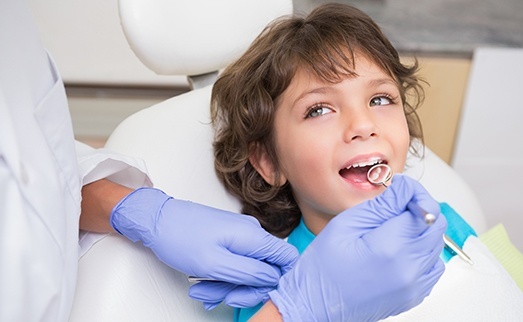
[[301, 237]]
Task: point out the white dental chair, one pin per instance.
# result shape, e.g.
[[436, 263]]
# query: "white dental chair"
[[122, 281]]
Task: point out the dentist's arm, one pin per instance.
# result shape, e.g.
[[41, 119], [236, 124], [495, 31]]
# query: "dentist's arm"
[[98, 200], [192, 238]]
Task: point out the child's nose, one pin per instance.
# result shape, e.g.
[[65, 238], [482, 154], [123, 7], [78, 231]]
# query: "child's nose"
[[360, 125]]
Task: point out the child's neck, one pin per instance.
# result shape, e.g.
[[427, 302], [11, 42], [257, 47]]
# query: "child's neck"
[[316, 223]]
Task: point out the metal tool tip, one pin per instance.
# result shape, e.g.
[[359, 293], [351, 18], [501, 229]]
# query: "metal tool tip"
[[429, 218]]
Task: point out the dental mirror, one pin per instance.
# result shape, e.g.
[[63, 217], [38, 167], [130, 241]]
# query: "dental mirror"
[[380, 174]]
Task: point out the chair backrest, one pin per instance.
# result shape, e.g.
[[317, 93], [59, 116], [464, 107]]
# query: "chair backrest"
[[194, 37], [122, 281], [174, 139]]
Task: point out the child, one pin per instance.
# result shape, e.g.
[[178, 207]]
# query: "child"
[[305, 112], [315, 55]]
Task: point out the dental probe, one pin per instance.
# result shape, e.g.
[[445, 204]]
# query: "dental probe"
[[456, 249], [380, 174]]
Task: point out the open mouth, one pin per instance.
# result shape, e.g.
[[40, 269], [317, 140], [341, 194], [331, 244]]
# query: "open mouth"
[[358, 172]]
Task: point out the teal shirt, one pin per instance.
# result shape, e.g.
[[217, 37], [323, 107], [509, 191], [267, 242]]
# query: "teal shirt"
[[457, 229]]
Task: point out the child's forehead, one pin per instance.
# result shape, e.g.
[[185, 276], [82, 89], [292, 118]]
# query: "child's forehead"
[[327, 72]]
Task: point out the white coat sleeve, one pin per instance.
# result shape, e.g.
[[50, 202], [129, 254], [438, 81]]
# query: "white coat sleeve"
[[95, 164]]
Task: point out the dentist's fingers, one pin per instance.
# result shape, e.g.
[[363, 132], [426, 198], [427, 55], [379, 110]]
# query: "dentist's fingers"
[[212, 293], [392, 202]]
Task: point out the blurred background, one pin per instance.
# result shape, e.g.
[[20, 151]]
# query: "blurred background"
[[466, 122]]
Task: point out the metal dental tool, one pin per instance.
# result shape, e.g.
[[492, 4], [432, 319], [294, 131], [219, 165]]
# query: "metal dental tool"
[[380, 174]]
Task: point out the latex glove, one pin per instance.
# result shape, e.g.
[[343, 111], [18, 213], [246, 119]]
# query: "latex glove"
[[241, 296], [372, 261], [203, 241]]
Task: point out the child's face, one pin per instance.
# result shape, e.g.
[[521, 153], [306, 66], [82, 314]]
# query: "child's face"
[[324, 132]]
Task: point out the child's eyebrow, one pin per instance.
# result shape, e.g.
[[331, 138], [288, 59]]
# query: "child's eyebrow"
[[326, 89], [381, 81], [316, 90]]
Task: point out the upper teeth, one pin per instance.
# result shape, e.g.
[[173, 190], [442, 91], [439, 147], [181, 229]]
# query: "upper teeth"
[[365, 163]]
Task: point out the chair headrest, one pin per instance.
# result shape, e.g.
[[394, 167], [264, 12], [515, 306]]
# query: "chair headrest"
[[195, 37]]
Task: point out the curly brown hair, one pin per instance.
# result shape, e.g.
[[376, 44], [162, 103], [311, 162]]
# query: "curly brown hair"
[[244, 97]]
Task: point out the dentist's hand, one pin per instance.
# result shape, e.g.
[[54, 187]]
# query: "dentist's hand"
[[203, 241], [372, 261]]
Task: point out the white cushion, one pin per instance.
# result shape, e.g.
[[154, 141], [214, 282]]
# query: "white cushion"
[[197, 36], [122, 281], [470, 293], [446, 185]]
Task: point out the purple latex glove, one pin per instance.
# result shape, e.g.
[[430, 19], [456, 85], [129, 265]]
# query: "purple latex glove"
[[203, 241], [214, 293], [372, 261]]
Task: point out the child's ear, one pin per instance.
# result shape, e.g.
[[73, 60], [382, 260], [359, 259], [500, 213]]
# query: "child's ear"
[[264, 165]]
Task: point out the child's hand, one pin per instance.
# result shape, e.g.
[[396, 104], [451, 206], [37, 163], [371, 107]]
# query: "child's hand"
[[372, 261]]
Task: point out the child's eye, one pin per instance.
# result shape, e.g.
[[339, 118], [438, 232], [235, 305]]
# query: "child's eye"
[[317, 110], [381, 100]]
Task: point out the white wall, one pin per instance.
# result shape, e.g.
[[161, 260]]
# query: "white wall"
[[88, 44], [489, 147]]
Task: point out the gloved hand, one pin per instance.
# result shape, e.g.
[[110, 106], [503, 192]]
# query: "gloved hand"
[[203, 241], [241, 296], [372, 261]]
